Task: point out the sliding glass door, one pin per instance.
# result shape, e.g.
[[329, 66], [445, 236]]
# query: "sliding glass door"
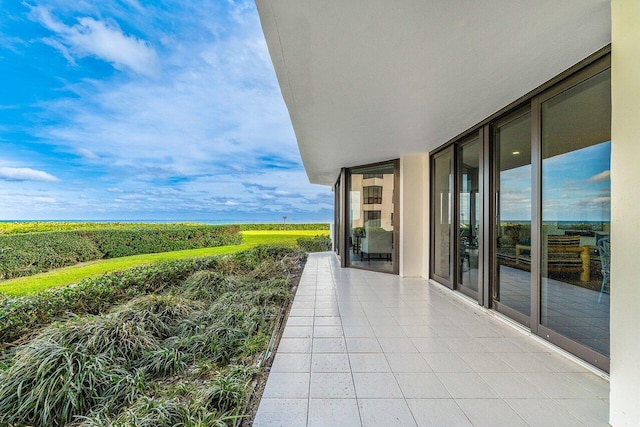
[[576, 215], [372, 218], [442, 218], [469, 214], [457, 208], [512, 213]]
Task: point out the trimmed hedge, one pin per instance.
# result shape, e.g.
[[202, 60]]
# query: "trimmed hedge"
[[21, 227], [20, 316], [315, 244], [272, 227], [32, 253]]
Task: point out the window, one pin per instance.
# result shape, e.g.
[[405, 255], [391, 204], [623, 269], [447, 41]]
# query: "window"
[[372, 194], [372, 175], [372, 218]]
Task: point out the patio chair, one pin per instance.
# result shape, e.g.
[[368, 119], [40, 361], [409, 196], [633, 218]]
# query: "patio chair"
[[376, 242], [604, 248]]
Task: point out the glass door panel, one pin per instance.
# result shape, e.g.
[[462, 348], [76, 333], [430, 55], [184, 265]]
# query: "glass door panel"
[[576, 212], [469, 210], [371, 217], [442, 216], [512, 233]]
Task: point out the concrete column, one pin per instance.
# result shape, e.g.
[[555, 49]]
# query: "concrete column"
[[625, 213], [412, 195]]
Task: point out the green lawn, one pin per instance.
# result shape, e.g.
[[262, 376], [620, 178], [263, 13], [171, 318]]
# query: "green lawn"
[[73, 274]]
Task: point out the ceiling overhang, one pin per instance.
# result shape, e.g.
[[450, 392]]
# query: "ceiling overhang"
[[366, 81]]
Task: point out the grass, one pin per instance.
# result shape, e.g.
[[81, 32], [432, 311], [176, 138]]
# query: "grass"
[[68, 275]]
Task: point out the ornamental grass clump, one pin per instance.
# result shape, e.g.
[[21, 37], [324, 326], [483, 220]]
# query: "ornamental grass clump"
[[226, 391], [52, 382]]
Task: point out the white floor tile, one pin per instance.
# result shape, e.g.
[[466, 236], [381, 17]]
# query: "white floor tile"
[[467, 385], [281, 413], [490, 413], [330, 362], [333, 412], [332, 386], [369, 362], [329, 345], [363, 345], [376, 385], [543, 413], [294, 345], [287, 385], [421, 386], [385, 413], [327, 331], [291, 362], [437, 413]]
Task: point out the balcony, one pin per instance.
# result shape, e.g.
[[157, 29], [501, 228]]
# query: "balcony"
[[373, 349]]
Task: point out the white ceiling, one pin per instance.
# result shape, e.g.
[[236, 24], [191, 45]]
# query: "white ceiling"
[[372, 80]]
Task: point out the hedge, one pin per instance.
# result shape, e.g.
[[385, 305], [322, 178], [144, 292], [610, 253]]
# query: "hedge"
[[272, 227], [32, 253], [315, 244], [21, 227]]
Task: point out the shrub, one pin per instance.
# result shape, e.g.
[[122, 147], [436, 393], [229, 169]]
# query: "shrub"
[[270, 227], [315, 244], [27, 254]]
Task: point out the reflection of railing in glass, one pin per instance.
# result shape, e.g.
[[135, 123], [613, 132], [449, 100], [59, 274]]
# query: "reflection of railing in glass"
[[604, 250]]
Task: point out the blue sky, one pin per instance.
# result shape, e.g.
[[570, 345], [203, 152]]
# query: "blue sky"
[[131, 109]]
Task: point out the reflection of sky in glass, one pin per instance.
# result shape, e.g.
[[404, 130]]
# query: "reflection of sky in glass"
[[515, 194], [576, 187]]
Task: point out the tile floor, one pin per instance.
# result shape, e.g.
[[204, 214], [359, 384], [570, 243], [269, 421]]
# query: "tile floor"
[[373, 349]]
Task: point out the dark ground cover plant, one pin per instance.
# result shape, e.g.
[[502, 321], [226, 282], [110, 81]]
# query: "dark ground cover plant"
[[181, 352], [32, 253], [315, 244]]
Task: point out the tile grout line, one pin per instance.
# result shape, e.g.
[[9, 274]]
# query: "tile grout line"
[[355, 392], [313, 325]]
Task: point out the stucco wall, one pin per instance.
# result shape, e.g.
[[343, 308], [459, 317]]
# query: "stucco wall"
[[625, 213], [412, 194]]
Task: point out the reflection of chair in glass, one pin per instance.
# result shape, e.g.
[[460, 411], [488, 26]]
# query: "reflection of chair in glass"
[[604, 248], [564, 255], [377, 241]]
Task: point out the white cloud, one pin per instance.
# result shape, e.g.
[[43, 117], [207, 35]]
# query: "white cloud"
[[25, 174], [598, 200], [91, 37], [87, 154], [602, 176]]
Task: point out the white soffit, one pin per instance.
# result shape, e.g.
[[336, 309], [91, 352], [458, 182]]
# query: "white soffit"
[[372, 80]]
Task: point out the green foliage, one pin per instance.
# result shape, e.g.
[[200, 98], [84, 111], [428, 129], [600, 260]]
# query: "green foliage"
[[141, 363], [22, 315], [11, 227], [31, 253], [315, 244], [268, 227], [53, 380]]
